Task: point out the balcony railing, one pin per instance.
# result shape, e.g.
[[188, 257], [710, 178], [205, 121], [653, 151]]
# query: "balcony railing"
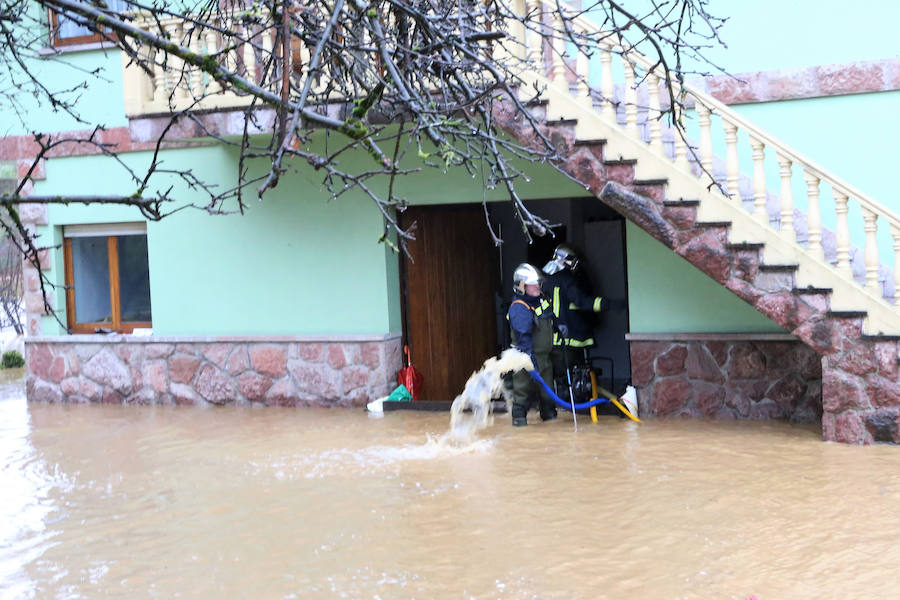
[[174, 86]]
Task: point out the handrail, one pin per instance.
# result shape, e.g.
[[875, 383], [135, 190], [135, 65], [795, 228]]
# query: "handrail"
[[795, 156]]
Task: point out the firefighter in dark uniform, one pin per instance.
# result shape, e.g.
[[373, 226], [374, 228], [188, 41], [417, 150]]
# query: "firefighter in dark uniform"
[[531, 326], [572, 308]]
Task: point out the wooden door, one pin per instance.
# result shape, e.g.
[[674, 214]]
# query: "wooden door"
[[449, 290]]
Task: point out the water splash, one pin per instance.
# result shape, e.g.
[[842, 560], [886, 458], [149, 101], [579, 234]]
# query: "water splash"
[[336, 462], [471, 410]]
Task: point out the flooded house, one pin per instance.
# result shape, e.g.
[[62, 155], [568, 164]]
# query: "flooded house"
[[768, 296]]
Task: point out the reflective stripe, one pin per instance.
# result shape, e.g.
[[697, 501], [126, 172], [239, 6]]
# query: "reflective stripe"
[[573, 306], [557, 341], [544, 305], [556, 301], [597, 302]]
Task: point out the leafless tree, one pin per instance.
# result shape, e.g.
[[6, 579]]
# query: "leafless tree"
[[413, 83]]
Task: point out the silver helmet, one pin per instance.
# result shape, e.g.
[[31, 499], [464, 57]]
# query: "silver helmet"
[[564, 257], [525, 274]]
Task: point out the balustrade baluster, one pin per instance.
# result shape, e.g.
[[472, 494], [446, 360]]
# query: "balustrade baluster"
[[895, 234], [558, 60], [196, 81], [732, 165], [181, 76], [531, 40], [787, 198], [842, 233], [519, 30], [583, 71], [160, 91], [631, 126], [534, 39], [681, 147], [814, 217], [230, 42], [653, 113], [871, 228], [681, 152], [759, 180], [212, 48], [706, 145], [268, 50], [148, 87], [249, 55], [607, 87]]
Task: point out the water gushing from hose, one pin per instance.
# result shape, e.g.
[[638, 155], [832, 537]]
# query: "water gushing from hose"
[[471, 410]]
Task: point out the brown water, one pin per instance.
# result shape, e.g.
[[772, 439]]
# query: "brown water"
[[166, 502]]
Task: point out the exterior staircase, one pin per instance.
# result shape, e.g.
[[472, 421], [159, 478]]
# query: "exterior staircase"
[[776, 263]]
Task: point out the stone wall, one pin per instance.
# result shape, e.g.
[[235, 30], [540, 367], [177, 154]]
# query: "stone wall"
[[125, 369], [727, 378]]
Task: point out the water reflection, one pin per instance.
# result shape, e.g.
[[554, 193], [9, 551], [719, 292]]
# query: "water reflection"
[[102, 501], [26, 484]]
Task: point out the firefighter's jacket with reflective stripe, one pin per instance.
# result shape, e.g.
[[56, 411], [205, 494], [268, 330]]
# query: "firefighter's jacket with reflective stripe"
[[572, 307]]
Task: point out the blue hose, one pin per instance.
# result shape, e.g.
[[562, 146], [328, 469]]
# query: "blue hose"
[[567, 405]]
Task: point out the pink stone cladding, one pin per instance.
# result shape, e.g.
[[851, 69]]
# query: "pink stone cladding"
[[218, 373], [728, 380]]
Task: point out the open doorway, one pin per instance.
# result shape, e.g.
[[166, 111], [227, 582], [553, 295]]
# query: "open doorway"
[[598, 234], [457, 286]]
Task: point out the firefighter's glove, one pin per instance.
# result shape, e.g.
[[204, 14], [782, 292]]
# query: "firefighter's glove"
[[563, 330]]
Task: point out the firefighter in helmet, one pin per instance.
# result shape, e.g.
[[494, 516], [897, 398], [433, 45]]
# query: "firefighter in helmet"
[[531, 326], [571, 306]]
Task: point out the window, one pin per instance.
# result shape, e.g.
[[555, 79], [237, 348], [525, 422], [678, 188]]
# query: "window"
[[66, 32], [107, 277]]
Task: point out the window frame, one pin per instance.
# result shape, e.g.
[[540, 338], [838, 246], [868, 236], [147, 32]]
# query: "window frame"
[[116, 324], [61, 42]]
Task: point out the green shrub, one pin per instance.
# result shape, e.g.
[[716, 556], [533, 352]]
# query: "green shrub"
[[12, 360]]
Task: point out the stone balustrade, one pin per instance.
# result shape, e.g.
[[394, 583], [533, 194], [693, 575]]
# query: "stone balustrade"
[[185, 87], [334, 371]]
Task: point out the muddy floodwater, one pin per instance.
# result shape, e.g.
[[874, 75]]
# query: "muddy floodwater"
[[169, 502]]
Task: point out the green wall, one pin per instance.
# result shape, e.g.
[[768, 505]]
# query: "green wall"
[[667, 294], [71, 76], [293, 264], [300, 263]]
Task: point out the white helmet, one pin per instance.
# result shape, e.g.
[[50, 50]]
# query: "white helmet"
[[564, 257], [525, 274]]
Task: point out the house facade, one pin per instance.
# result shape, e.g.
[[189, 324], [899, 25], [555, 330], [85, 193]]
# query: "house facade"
[[296, 302]]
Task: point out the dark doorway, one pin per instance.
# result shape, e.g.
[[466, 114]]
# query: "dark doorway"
[[448, 291], [598, 234]]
